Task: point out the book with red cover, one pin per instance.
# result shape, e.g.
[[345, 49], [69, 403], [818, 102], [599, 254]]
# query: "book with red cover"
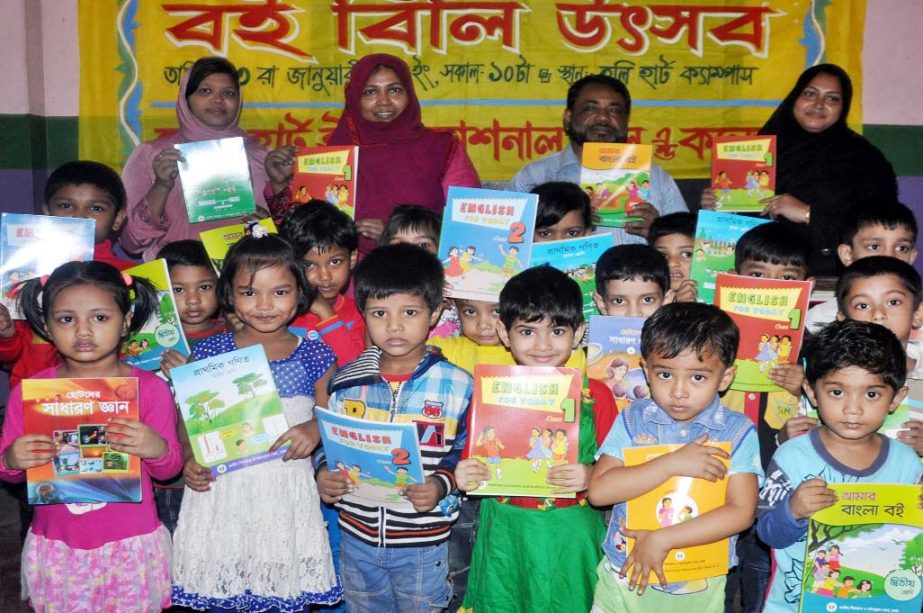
[[327, 172]]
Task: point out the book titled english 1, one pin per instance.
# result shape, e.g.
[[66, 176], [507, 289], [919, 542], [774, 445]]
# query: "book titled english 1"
[[327, 172], [743, 172], [216, 179]]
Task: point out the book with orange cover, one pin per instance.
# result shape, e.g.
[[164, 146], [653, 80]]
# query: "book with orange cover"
[[327, 172], [743, 171], [616, 176]]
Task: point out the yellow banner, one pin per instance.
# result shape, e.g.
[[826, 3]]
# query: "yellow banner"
[[495, 72]]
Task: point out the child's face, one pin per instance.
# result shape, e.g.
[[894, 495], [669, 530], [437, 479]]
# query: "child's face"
[[328, 271], [424, 238], [677, 248], [629, 298], [876, 239], [768, 270], [852, 403], [479, 321], [569, 226], [86, 201], [686, 385], [540, 343], [195, 296], [86, 325], [265, 300], [399, 326], [883, 300]]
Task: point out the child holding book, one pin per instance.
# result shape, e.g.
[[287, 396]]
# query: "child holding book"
[[396, 559], [688, 352], [855, 377], [108, 556], [255, 538], [632, 281], [563, 212], [673, 235]]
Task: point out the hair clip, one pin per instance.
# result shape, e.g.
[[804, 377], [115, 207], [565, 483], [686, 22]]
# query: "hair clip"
[[44, 279], [258, 231], [126, 278]]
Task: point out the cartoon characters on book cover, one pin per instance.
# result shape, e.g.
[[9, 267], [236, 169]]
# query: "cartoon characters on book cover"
[[743, 171]]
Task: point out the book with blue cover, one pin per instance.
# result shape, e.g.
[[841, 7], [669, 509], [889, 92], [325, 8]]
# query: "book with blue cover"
[[716, 236], [577, 257], [613, 357]]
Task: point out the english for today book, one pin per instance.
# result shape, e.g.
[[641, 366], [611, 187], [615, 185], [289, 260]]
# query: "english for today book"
[[215, 179], [327, 172]]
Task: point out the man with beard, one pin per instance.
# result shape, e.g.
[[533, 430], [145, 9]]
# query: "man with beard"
[[597, 111]]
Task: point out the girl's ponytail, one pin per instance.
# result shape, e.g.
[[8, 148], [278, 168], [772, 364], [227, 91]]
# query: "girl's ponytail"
[[30, 304], [144, 301]]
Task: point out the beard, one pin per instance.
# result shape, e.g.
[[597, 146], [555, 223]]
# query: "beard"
[[579, 137]]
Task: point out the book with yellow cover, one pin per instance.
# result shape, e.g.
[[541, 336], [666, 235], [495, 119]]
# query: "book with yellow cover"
[[218, 241], [616, 176]]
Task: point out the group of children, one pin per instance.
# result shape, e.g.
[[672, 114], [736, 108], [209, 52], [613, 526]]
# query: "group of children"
[[286, 536]]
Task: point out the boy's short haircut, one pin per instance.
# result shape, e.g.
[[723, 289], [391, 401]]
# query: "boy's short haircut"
[[629, 262], [319, 225], [185, 253], [541, 292], [891, 216], [878, 266], [777, 242], [861, 344], [674, 223], [85, 172], [679, 326], [410, 217], [399, 269], [558, 198]]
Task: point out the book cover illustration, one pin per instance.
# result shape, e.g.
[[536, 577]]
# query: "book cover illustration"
[[743, 171], [216, 179], [75, 413], [616, 176], [380, 459], [770, 315], [231, 409], [716, 236], [486, 239], [865, 553], [24, 252], [676, 500], [218, 241], [910, 409], [577, 258], [327, 173], [613, 356], [524, 420], [163, 330]]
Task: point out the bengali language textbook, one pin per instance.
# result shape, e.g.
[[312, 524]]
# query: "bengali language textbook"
[[231, 409], [524, 421], [865, 552], [770, 314], [218, 241], [380, 459], [75, 413], [743, 171], [216, 179], [163, 329], [577, 257], [24, 252], [327, 172], [613, 357], [674, 501], [616, 176], [486, 239], [716, 236]]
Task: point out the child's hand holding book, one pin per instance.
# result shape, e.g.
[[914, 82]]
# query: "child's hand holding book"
[[424, 496], [570, 477], [650, 550], [303, 438], [811, 496], [197, 477], [698, 460], [470, 474], [331, 485], [136, 438], [29, 451]]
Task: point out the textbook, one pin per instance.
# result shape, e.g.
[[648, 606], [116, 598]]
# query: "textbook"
[[616, 176], [716, 236], [865, 552], [380, 459], [163, 329], [75, 413], [910, 409], [327, 173], [674, 501], [486, 239], [577, 257], [218, 241], [524, 420], [24, 252], [216, 179], [613, 357], [770, 315], [231, 409], [743, 171]]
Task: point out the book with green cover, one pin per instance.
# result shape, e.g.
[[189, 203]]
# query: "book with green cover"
[[163, 329], [216, 179]]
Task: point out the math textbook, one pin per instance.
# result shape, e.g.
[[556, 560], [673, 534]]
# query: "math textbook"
[[380, 459], [218, 241], [75, 414], [770, 315], [216, 179], [865, 552], [674, 501], [163, 329], [616, 176], [231, 409], [486, 239], [25, 253], [743, 171], [613, 357], [577, 258], [716, 236], [524, 420], [327, 173]]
